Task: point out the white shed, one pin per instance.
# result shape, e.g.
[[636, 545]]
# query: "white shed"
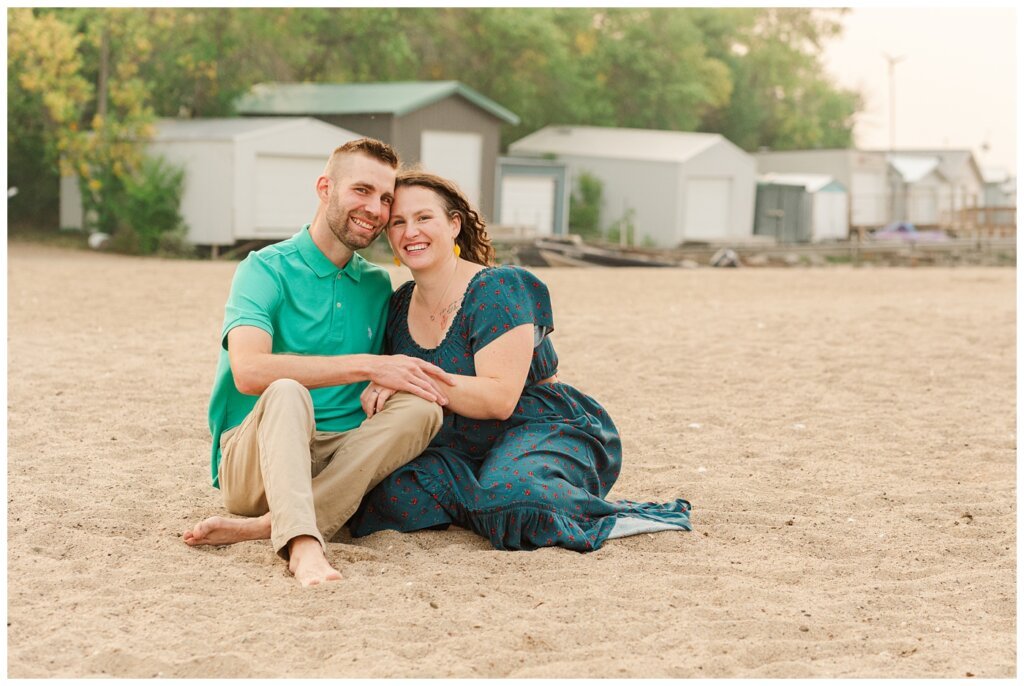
[[828, 213], [672, 186], [865, 175], [961, 171], [920, 191], [245, 178], [532, 195], [1000, 187]]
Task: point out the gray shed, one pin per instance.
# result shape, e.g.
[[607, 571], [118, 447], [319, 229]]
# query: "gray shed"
[[1000, 187], [920, 191], [961, 171], [865, 176], [801, 208], [245, 178], [672, 186], [533, 194], [446, 126]]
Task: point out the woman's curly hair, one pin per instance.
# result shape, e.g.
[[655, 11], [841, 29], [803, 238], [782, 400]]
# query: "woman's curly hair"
[[472, 239]]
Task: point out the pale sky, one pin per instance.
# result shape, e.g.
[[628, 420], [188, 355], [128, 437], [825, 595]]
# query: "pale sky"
[[956, 87]]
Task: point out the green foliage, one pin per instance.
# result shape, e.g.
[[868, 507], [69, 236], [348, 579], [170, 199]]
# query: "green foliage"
[[585, 206], [753, 74], [146, 210], [45, 98], [654, 70], [624, 226], [782, 98]]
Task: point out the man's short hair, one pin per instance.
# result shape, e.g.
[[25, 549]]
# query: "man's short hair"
[[371, 147]]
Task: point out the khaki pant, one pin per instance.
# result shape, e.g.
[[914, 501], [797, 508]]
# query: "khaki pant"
[[312, 481]]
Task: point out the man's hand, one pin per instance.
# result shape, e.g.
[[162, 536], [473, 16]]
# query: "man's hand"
[[373, 398], [404, 373]]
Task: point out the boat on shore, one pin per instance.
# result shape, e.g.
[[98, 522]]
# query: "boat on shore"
[[573, 252]]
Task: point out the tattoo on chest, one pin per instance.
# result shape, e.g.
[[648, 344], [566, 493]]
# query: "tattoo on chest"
[[444, 315]]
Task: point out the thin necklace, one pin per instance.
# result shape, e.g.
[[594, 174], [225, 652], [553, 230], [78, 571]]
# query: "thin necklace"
[[435, 310]]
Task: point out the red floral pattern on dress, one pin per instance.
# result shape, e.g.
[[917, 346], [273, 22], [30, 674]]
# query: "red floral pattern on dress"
[[548, 466]]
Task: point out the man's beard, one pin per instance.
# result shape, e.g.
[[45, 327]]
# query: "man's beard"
[[337, 221]]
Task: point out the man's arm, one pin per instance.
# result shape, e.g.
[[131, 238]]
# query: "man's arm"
[[255, 367], [502, 367]]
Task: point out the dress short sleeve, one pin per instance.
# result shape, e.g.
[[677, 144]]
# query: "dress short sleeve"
[[503, 298]]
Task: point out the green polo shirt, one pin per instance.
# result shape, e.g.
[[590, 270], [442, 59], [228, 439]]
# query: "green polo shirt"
[[309, 307]]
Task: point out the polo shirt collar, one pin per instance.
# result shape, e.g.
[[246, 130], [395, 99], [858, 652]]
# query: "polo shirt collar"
[[319, 263]]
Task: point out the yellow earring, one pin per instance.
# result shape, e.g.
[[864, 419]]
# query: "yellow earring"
[[458, 250], [398, 262]]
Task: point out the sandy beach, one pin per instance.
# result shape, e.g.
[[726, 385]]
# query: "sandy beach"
[[846, 437]]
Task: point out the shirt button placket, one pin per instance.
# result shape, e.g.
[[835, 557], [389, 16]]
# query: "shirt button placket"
[[338, 322]]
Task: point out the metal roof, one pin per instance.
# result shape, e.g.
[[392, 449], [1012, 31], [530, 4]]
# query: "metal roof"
[[396, 97], [617, 143], [951, 160], [995, 174], [811, 182], [230, 128], [913, 168]]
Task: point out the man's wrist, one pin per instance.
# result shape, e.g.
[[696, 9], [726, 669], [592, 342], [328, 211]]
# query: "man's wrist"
[[366, 366]]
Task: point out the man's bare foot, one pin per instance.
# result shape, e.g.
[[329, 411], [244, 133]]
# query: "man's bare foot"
[[307, 562], [222, 531]]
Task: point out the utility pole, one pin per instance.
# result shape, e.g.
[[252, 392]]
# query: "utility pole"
[[892, 96]]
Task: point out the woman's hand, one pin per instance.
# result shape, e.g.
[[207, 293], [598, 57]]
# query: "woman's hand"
[[411, 374], [373, 398]]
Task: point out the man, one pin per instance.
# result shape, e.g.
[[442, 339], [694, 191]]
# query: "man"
[[302, 331]]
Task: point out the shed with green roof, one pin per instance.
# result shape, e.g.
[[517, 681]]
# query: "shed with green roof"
[[445, 126]]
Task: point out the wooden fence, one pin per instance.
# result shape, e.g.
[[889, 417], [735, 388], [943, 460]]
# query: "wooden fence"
[[987, 222]]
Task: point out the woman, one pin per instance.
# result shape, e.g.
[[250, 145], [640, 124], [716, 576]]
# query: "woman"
[[522, 458]]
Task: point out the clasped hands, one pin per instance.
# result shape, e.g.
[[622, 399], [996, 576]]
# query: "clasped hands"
[[393, 373]]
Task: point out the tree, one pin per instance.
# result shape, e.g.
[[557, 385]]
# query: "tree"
[[752, 74], [655, 71], [521, 58], [123, 193], [782, 98], [585, 206], [110, 153], [46, 98]]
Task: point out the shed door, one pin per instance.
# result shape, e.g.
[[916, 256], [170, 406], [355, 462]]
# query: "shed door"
[[781, 212], [284, 194], [455, 156], [707, 208], [869, 199], [830, 216], [529, 201], [923, 205]]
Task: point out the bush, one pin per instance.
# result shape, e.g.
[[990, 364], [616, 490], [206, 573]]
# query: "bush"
[[585, 206], [148, 208], [623, 224]]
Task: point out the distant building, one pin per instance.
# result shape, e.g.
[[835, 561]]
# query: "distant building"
[[445, 126], [672, 186], [920, 191], [533, 196], [801, 208], [245, 178], [1000, 187], [961, 171], [865, 175], [885, 186]]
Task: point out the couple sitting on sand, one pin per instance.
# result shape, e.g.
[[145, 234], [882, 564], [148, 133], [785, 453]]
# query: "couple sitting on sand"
[[464, 421]]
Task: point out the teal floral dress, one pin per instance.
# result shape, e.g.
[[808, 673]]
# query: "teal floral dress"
[[535, 479]]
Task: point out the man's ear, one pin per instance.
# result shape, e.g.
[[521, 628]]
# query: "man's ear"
[[323, 188]]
